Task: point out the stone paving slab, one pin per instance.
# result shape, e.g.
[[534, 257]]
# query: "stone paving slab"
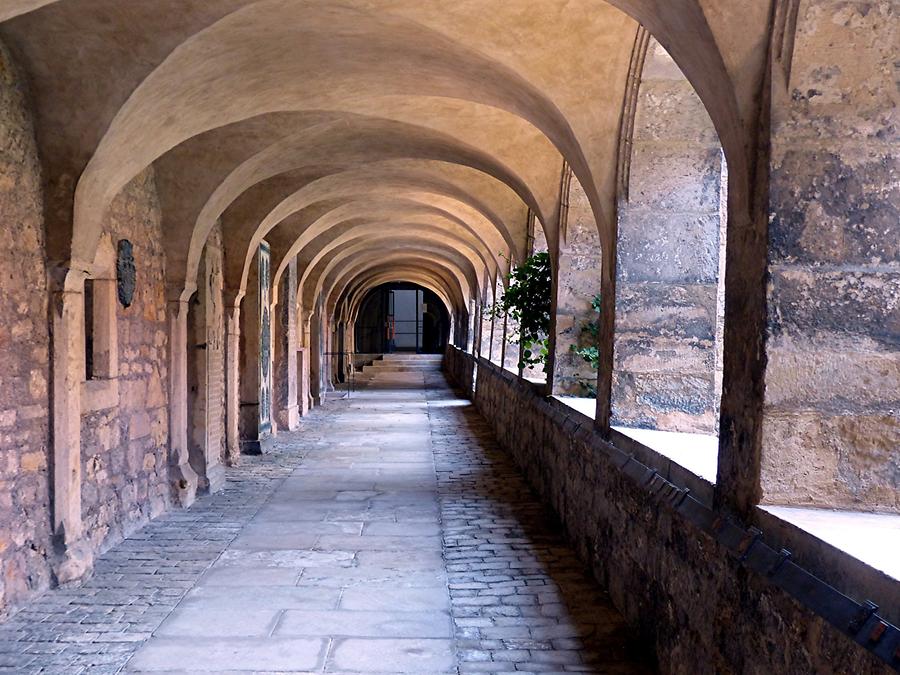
[[390, 535]]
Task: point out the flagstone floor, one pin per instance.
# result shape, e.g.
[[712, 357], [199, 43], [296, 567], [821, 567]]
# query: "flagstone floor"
[[388, 535]]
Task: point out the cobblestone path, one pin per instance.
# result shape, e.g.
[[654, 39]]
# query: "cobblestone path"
[[520, 599], [389, 535]]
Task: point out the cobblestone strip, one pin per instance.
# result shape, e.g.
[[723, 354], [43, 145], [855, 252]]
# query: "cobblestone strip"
[[96, 627], [520, 599]]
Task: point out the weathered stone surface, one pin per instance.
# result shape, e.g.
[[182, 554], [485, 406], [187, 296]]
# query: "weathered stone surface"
[[830, 421], [577, 283], [24, 352], [833, 460], [206, 369], [669, 299], [122, 488]]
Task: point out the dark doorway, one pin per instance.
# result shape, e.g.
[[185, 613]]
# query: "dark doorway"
[[402, 317]]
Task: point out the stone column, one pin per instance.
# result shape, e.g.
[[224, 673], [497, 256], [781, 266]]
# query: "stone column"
[[72, 557], [182, 476], [497, 327], [256, 427], [232, 382], [303, 380], [577, 283], [486, 322], [511, 344], [315, 359], [206, 346], [472, 327], [287, 412]]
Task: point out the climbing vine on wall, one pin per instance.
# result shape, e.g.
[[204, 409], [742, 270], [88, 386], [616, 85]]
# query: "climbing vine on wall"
[[527, 300], [590, 334]]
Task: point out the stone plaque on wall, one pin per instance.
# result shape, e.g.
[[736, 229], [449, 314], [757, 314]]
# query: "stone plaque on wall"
[[265, 343], [125, 272]]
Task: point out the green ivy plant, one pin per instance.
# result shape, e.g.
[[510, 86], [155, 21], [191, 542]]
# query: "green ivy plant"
[[590, 333], [527, 300]]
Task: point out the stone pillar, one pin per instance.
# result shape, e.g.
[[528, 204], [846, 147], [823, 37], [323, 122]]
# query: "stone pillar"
[[315, 359], [577, 284], [72, 555], [206, 345], [497, 327], [287, 412], [831, 430], [303, 380], [472, 327], [511, 344], [182, 476], [477, 329], [256, 427], [486, 322], [232, 383]]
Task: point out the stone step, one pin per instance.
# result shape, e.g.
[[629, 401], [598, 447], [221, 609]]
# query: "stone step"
[[377, 368], [412, 357]]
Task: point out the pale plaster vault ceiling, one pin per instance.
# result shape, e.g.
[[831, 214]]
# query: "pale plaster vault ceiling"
[[374, 139]]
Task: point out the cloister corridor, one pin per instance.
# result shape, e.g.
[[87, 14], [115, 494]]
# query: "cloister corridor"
[[388, 535], [428, 336]]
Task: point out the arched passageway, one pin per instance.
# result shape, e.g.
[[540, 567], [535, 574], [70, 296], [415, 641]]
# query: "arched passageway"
[[654, 244]]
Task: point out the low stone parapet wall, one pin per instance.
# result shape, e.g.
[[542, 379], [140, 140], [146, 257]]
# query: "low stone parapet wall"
[[682, 574]]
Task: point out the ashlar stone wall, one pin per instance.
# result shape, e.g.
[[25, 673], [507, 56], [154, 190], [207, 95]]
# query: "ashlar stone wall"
[[24, 353], [125, 447], [667, 290], [831, 433], [577, 282]]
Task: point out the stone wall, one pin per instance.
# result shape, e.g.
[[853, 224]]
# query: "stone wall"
[[24, 353], [577, 282], [686, 594], [125, 448], [831, 425], [668, 259]]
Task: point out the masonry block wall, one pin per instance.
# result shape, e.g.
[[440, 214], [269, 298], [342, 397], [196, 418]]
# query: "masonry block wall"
[[24, 352], [832, 430], [125, 446], [577, 282], [687, 597], [668, 259]]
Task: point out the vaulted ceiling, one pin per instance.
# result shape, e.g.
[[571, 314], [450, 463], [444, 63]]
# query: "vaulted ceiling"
[[374, 139]]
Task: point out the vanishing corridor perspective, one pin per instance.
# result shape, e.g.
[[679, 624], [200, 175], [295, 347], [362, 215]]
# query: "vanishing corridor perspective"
[[415, 336]]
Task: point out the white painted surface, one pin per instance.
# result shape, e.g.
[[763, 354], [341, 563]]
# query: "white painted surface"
[[873, 538], [698, 453]]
